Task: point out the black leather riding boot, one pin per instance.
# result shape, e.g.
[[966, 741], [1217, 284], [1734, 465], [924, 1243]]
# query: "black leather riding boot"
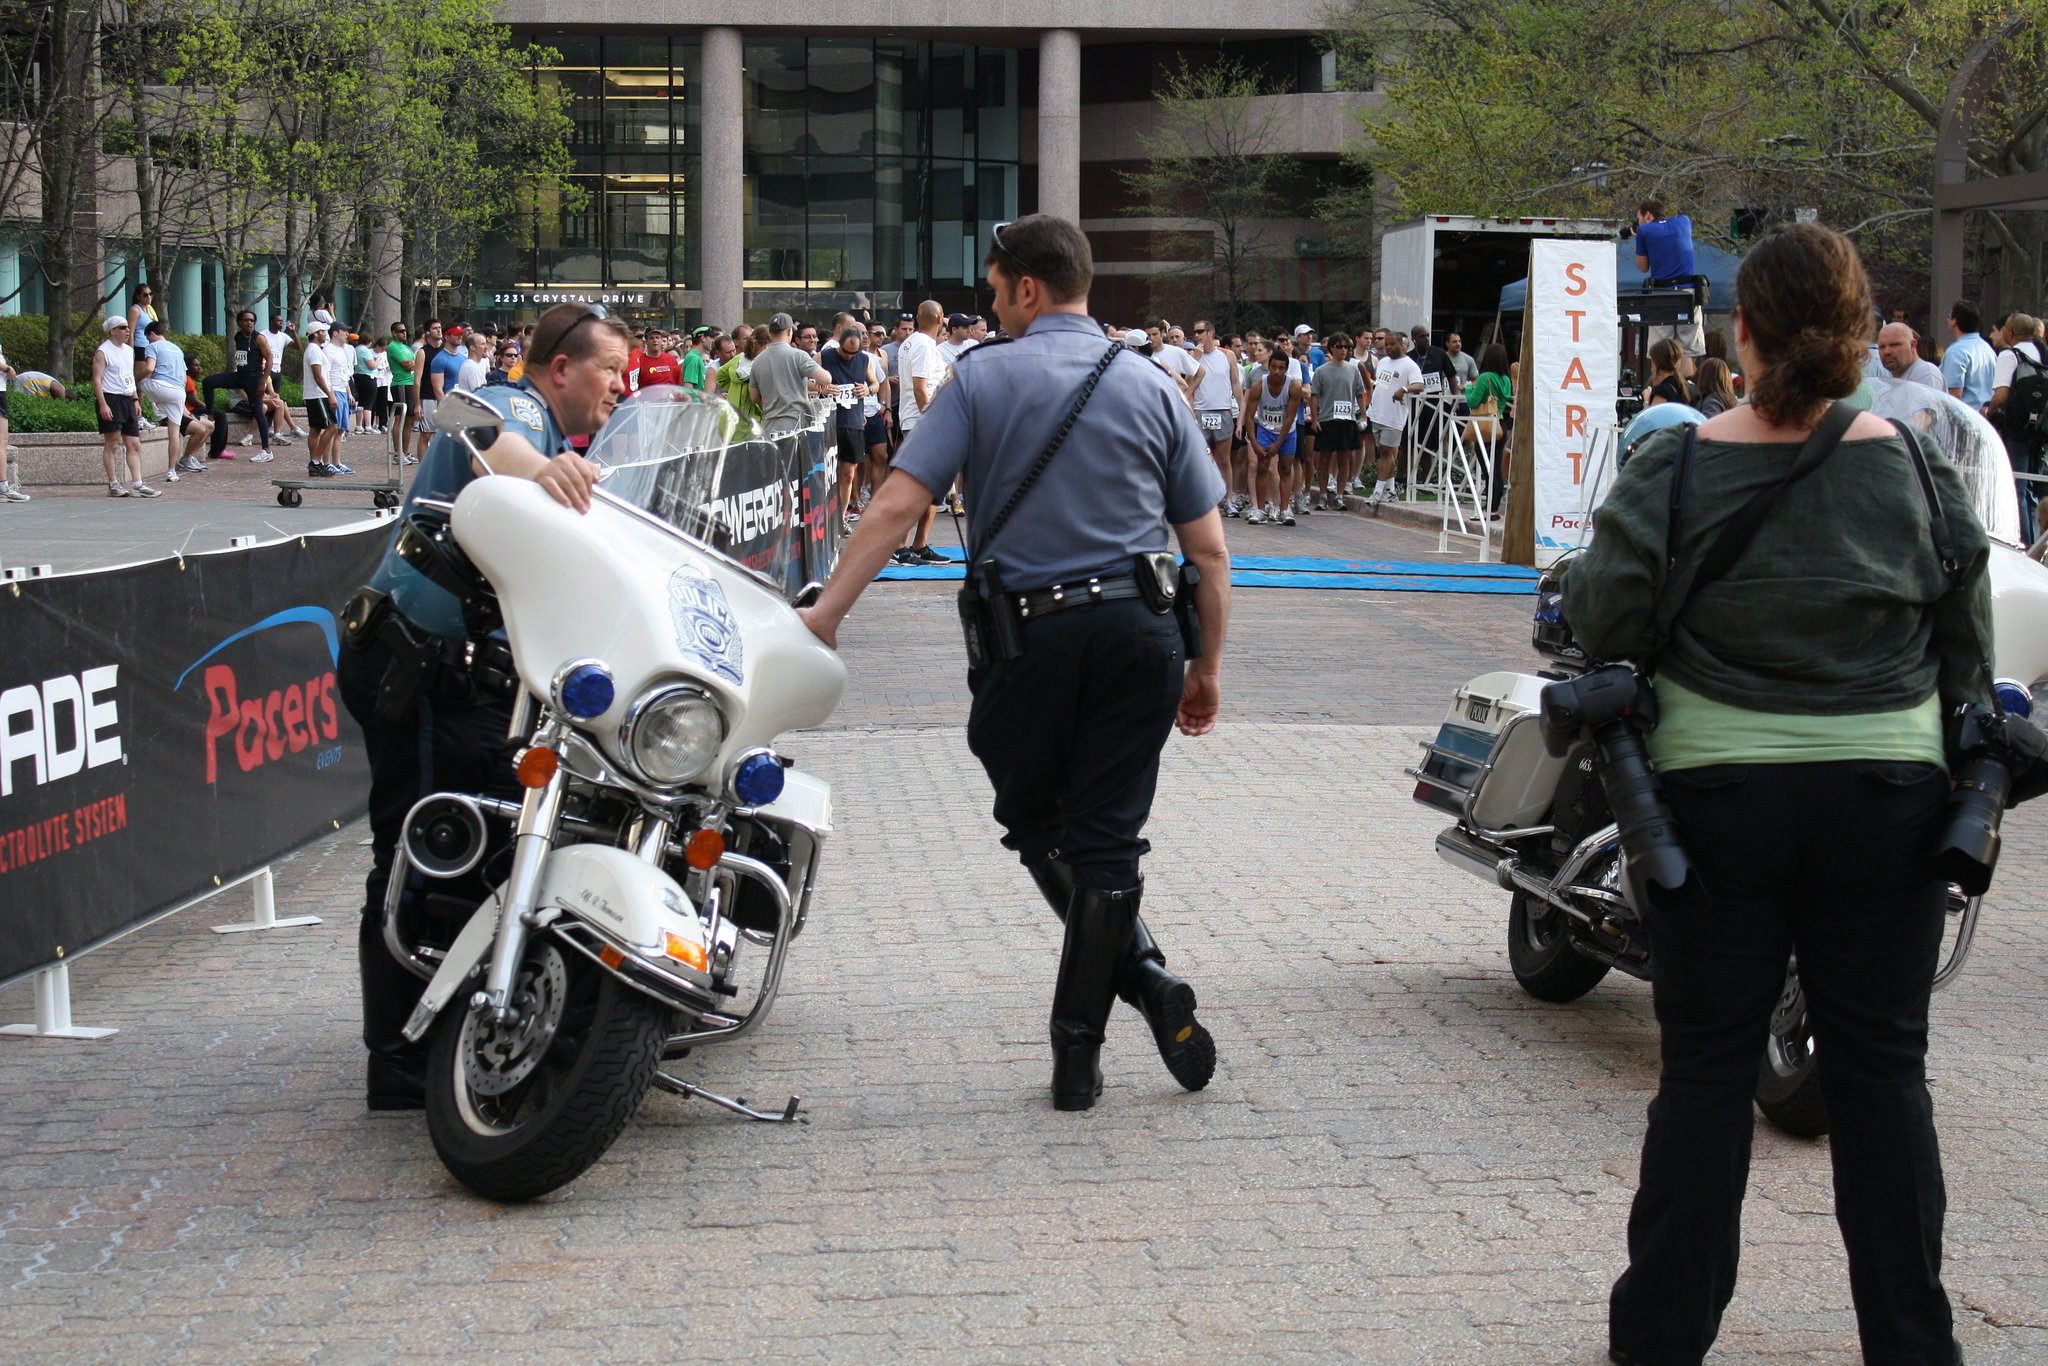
[[1144, 983], [1098, 938]]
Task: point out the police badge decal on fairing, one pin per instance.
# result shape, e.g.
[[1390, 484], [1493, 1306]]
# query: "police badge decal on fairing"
[[527, 411], [705, 628]]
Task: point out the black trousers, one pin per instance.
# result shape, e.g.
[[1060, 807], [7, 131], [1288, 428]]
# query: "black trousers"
[[251, 387], [448, 741], [1070, 734], [1824, 859]]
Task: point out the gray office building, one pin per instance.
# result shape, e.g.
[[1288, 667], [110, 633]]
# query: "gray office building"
[[731, 167]]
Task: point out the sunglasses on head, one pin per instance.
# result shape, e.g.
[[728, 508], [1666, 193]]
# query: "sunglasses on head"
[[996, 235]]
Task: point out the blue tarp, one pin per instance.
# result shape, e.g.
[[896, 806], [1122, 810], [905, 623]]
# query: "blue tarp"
[[1717, 265]]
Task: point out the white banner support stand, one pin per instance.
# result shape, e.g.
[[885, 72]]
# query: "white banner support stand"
[[53, 1010], [266, 908]]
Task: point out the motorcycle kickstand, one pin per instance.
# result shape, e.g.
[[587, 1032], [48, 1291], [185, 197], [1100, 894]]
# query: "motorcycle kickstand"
[[676, 1086]]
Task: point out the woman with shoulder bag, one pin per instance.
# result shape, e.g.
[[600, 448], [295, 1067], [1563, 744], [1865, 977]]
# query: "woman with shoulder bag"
[[1801, 750]]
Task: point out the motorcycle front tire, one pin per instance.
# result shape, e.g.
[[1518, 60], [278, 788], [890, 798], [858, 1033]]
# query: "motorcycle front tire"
[[1788, 1087], [1541, 954], [599, 1068]]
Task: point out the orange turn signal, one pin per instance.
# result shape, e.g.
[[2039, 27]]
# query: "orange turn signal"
[[610, 957], [684, 951], [704, 849], [536, 766]]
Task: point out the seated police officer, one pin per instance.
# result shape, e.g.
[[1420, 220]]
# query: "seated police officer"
[[1075, 615], [1801, 751], [434, 705]]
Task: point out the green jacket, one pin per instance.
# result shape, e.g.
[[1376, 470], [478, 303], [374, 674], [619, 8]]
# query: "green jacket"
[[1839, 607]]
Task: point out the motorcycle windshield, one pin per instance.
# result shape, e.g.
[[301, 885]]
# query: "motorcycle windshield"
[[694, 463], [1969, 441]]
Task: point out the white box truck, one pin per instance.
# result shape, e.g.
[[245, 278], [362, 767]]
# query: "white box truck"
[[1447, 270]]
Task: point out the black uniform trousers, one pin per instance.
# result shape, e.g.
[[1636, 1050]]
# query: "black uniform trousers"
[[1824, 858], [449, 740], [1070, 734]]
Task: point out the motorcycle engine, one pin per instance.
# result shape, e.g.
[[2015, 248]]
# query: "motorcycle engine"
[[1580, 806]]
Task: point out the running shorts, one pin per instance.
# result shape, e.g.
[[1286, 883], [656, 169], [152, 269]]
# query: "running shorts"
[[319, 414]]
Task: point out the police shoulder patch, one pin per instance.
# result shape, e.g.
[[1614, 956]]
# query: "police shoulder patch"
[[528, 411]]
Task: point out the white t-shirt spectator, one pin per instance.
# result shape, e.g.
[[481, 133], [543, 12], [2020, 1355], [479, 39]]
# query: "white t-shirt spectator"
[[341, 363], [120, 375], [2008, 364], [918, 356], [1175, 361], [278, 342], [1390, 377], [312, 365], [475, 374], [1212, 390]]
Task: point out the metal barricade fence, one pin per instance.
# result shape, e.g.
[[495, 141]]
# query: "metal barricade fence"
[[1451, 456]]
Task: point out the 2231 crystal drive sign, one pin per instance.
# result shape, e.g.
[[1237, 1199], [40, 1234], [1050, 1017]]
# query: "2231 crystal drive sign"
[[165, 728]]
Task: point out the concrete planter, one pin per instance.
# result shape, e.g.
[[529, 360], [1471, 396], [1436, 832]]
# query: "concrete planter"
[[74, 457]]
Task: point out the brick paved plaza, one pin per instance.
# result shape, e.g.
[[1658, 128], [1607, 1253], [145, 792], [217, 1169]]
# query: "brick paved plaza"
[[1403, 1159]]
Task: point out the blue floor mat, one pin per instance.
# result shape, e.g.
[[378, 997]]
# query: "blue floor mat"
[[1301, 571]]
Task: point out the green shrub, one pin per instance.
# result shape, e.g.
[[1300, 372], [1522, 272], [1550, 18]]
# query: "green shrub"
[[26, 339], [31, 414]]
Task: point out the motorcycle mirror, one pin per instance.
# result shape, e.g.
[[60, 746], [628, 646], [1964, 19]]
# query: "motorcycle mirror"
[[463, 411]]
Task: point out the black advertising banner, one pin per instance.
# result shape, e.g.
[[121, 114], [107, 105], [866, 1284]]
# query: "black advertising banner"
[[773, 506], [166, 728]]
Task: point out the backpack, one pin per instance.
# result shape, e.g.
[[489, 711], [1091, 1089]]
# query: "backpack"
[[2024, 413]]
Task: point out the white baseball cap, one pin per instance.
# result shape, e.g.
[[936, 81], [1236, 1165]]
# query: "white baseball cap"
[[1304, 331], [1136, 337]]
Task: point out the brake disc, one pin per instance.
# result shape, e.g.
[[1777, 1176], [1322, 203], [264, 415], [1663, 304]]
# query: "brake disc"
[[495, 1057]]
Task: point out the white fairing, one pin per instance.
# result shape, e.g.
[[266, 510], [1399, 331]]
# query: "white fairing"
[[612, 586], [2019, 616], [630, 900]]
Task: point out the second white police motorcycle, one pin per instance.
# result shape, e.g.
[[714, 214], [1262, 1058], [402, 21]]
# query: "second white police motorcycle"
[[648, 887], [1539, 825]]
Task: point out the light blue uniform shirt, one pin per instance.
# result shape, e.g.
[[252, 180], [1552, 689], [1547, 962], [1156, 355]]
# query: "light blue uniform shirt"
[[1968, 365], [1135, 462], [444, 472]]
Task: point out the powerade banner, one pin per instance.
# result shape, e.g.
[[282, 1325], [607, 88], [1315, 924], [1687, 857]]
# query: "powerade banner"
[[166, 728], [773, 507]]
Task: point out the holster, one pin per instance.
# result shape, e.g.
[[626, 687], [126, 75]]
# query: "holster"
[[419, 661], [1168, 585], [988, 619]]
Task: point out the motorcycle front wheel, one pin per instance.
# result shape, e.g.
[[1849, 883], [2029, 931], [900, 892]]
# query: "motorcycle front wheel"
[[518, 1111], [1541, 955], [1788, 1079]]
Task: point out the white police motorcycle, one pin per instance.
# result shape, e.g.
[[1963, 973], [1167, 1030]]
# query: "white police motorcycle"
[[1539, 825], [660, 837]]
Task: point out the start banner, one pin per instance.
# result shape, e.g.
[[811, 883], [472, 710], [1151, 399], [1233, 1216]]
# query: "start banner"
[[1567, 397], [166, 728]]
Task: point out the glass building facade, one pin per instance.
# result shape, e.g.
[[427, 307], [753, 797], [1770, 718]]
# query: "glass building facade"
[[874, 170]]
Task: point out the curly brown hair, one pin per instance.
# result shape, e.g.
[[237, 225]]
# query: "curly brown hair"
[[1806, 301]]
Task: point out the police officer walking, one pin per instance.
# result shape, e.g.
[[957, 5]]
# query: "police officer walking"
[[1078, 624], [434, 703]]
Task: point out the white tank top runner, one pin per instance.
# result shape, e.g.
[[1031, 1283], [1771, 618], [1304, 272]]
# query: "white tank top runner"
[[1272, 414]]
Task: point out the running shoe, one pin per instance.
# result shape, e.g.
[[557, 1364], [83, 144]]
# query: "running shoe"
[[300, 431], [1230, 508], [1272, 514], [223, 455], [1287, 518], [404, 460], [11, 494], [904, 555], [171, 475], [249, 440], [118, 491], [340, 468], [145, 491], [316, 470], [845, 527], [190, 465], [1253, 517], [925, 554], [261, 458]]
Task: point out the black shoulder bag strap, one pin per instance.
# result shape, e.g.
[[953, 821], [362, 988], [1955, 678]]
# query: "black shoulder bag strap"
[[1743, 526], [1003, 514], [1937, 521]]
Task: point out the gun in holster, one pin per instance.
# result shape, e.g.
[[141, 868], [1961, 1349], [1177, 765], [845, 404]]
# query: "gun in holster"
[[418, 660], [988, 617], [1168, 585]]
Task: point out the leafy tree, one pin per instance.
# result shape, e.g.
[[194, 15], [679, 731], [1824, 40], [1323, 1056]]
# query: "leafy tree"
[[1214, 167], [1742, 112]]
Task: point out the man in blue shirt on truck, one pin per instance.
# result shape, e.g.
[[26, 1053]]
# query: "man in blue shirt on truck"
[[1664, 245]]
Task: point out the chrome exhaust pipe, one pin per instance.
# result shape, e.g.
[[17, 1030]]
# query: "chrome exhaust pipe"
[[1484, 862]]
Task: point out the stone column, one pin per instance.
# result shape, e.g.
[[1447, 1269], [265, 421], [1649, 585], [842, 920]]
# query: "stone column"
[[722, 179], [384, 253], [1059, 123]]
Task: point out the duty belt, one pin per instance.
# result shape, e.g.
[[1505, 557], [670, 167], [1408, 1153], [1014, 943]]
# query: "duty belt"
[[1058, 598]]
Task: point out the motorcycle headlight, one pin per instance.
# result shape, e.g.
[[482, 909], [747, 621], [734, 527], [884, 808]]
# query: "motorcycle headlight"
[[672, 734]]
